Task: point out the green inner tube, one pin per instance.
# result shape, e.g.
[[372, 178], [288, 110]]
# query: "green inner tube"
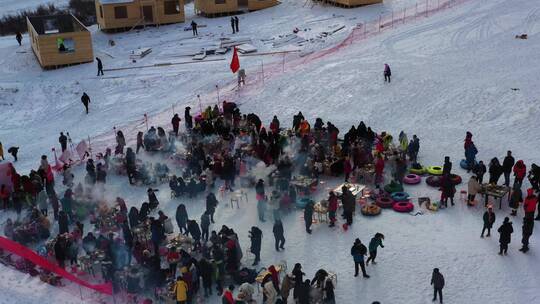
[[391, 188], [435, 170]]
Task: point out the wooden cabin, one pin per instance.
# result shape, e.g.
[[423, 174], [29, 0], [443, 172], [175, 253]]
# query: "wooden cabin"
[[353, 3], [213, 8], [59, 40], [126, 14]]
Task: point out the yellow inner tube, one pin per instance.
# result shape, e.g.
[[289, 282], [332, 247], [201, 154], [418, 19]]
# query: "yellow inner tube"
[[371, 210]]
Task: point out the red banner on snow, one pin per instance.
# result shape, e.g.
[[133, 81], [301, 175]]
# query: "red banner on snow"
[[33, 257]]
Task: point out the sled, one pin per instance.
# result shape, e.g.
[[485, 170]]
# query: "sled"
[[199, 56], [246, 48]]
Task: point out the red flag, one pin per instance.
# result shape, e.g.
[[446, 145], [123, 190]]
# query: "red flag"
[[235, 63]]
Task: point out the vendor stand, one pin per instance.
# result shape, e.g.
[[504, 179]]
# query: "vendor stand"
[[496, 191]]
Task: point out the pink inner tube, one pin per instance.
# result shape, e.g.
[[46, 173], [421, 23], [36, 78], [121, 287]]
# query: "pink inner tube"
[[384, 202], [403, 206], [412, 179]]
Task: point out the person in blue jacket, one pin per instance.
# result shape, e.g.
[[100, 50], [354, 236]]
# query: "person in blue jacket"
[[375, 242], [358, 251]]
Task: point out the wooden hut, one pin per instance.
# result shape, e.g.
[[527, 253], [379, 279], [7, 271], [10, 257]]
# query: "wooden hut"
[[214, 8], [122, 14], [59, 40], [353, 3]]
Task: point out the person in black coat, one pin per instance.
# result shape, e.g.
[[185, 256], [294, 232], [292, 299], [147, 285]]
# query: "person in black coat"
[[232, 25], [479, 170], [182, 218], [85, 99], [508, 164], [133, 217], [194, 28], [255, 234], [195, 231], [236, 21], [448, 189], [505, 238], [298, 279], [447, 167], [489, 220], [152, 199], [63, 141], [308, 216], [63, 223], [348, 201], [60, 248], [206, 270], [278, 234], [437, 280], [527, 230], [303, 292], [99, 67], [205, 225], [495, 171], [131, 166], [18, 37], [143, 212], [358, 252], [211, 204], [188, 119], [175, 121]]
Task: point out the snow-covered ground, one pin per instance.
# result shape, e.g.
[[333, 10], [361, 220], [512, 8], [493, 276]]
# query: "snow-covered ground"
[[452, 72]]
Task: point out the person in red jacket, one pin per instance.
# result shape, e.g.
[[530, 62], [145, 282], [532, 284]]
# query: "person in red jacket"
[[274, 125], [529, 204], [519, 172], [228, 297], [332, 208]]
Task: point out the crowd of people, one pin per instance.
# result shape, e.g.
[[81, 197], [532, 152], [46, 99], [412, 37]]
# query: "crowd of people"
[[219, 152]]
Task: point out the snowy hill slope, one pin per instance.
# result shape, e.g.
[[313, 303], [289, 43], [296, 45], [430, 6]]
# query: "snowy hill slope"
[[452, 72], [29, 95]]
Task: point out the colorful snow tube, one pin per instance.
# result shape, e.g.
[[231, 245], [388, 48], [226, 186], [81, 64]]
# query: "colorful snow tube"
[[463, 164], [393, 187], [434, 170], [433, 181], [384, 202], [412, 179], [456, 179], [405, 206], [400, 196], [371, 210], [418, 169]]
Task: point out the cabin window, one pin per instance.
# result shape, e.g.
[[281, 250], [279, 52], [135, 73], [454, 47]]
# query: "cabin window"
[[65, 45], [220, 1], [171, 7], [120, 12], [101, 11]]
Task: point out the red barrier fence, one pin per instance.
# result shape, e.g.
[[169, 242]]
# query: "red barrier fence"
[[26, 253]]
